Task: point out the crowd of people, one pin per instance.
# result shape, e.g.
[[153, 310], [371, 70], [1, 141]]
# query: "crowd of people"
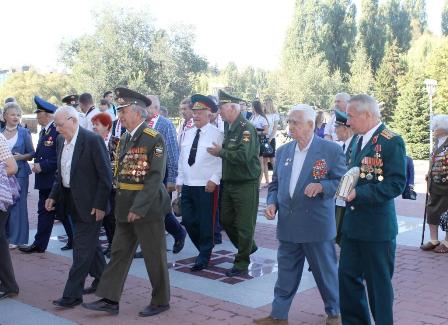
[[117, 165]]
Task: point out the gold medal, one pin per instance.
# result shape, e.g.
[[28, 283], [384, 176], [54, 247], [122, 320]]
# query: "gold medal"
[[362, 175]]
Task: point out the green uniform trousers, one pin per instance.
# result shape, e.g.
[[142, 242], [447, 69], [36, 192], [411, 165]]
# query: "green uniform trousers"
[[239, 207], [374, 262], [151, 237]]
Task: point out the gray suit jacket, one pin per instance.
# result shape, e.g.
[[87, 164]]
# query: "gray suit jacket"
[[302, 219], [90, 174]]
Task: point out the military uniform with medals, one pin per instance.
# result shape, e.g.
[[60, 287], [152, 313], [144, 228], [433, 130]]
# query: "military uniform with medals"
[[370, 228], [438, 184], [139, 173], [240, 177]]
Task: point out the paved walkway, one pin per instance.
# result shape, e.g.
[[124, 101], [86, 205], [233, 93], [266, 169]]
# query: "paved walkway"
[[420, 281]]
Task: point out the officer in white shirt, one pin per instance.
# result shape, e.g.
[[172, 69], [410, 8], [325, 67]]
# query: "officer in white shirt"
[[199, 175], [340, 104]]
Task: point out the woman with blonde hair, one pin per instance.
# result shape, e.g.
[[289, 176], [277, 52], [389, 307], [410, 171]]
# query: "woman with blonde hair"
[[273, 117], [19, 142]]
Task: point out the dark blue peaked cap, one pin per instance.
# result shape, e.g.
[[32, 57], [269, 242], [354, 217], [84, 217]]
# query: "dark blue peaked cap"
[[44, 106]]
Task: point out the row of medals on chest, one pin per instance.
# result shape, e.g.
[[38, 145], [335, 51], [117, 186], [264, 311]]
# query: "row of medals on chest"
[[371, 167], [440, 166], [135, 164]]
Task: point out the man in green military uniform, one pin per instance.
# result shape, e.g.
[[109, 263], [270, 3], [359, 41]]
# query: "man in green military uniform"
[[344, 134], [240, 176], [370, 222], [141, 204]]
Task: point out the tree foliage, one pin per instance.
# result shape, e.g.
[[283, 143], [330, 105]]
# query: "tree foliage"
[[372, 31], [25, 85], [398, 22], [386, 84], [322, 26], [361, 76], [411, 118], [438, 70], [419, 19], [444, 21], [125, 49]]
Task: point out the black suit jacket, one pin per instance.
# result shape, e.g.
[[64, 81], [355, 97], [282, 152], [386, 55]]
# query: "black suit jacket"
[[90, 174]]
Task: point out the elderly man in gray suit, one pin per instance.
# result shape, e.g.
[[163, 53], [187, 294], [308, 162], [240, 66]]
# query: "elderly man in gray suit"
[[302, 191]]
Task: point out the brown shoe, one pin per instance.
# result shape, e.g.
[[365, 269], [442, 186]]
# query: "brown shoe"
[[269, 320], [441, 249], [429, 246], [333, 320]]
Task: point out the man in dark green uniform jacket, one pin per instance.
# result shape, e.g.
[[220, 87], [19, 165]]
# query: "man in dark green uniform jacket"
[[140, 206], [370, 223], [240, 177]]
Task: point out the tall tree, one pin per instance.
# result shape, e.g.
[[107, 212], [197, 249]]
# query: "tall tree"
[[419, 18], [125, 49], [398, 22], [437, 69], [372, 31], [361, 77], [25, 85], [322, 26], [386, 84], [411, 118], [445, 19]]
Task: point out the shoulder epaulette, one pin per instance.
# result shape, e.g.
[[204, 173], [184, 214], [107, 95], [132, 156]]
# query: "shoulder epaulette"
[[151, 132], [388, 134]]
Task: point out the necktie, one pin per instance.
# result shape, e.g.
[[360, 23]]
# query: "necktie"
[[42, 132], [194, 148], [343, 147], [359, 146]]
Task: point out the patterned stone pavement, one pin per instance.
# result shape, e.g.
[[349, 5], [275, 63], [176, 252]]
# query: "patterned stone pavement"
[[420, 281]]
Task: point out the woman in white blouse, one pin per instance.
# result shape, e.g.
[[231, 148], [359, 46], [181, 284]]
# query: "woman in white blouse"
[[260, 122]]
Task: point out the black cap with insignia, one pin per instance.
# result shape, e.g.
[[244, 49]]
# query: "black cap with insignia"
[[225, 98], [125, 97], [71, 100], [201, 102]]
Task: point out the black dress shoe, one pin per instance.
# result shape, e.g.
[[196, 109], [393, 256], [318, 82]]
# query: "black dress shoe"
[[235, 272], [138, 254], [103, 305], [152, 310], [254, 249], [92, 288], [197, 267], [67, 302], [179, 244], [67, 247], [31, 249], [7, 294]]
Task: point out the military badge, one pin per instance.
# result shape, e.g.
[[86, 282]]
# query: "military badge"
[[320, 169], [49, 142], [158, 151], [246, 136]]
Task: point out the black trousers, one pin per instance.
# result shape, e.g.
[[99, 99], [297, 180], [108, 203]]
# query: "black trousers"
[[45, 221], [88, 257], [109, 219], [7, 279]]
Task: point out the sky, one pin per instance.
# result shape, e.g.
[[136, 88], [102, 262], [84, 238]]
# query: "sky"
[[32, 30]]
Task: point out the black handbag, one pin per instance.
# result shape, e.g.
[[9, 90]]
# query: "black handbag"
[[266, 148], [409, 193]]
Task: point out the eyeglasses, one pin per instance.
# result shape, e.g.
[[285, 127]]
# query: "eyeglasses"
[[61, 125]]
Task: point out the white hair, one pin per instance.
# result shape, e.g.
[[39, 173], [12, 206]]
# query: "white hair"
[[68, 111], [342, 96], [154, 101], [309, 114], [440, 122], [366, 103]]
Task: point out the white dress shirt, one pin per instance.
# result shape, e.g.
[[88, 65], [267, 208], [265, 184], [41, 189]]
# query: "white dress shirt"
[[66, 159], [89, 124], [297, 165], [339, 202], [206, 167], [368, 135], [441, 141]]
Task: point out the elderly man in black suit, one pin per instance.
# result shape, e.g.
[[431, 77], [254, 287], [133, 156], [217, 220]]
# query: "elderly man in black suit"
[[83, 184]]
